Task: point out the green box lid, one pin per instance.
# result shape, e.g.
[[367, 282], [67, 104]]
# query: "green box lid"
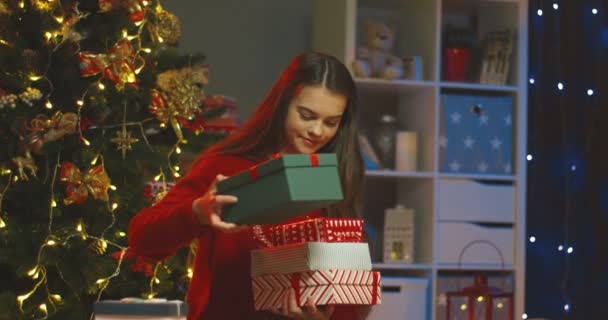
[[274, 165]]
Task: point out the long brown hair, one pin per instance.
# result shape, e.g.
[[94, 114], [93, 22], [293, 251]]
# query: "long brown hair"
[[264, 133]]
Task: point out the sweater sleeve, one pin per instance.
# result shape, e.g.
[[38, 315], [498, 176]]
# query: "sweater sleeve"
[[160, 230]]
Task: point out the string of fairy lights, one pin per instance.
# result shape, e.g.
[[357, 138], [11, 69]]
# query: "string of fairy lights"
[[55, 38], [565, 247]]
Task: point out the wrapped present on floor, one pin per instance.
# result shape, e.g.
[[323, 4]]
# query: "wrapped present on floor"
[[136, 308], [281, 188], [317, 229], [323, 286], [310, 256]]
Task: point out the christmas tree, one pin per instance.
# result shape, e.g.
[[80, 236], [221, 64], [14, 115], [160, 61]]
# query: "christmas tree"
[[98, 111]]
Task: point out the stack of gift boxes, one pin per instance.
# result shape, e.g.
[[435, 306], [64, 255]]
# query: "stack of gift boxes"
[[322, 259]]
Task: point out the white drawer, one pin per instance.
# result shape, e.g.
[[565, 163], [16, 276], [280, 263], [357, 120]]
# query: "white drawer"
[[469, 200], [402, 299], [484, 244]]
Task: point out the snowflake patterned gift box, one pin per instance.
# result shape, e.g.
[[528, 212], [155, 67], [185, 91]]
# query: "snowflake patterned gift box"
[[325, 287], [476, 134], [317, 229]]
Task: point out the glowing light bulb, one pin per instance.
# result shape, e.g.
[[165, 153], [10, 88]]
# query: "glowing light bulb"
[[560, 86], [570, 250], [529, 157], [532, 81], [49, 105], [480, 299], [114, 206], [79, 227], [539, 12], [524, 316], [589, 92], [594, 11], [555, 6], [560, 248], [51, 242], [2, 224], [101, 86], [80, 102], [533, 239], [463, 307]]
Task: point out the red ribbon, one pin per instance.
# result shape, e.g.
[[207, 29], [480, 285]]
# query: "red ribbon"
[[253, 173], [295, 284], [314, 160], [375, 288]]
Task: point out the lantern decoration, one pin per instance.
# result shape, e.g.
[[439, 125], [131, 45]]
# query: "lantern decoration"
[[479, 302]]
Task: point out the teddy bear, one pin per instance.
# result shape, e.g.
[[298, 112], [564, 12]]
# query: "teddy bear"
[[375, 58]]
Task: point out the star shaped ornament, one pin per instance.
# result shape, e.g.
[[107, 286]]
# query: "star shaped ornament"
[[124, 140]]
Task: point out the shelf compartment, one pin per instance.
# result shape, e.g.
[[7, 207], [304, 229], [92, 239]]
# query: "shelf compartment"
[[483, 17], [380, 194]]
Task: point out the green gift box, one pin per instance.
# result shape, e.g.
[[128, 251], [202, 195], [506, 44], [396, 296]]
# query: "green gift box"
[[281, 188]]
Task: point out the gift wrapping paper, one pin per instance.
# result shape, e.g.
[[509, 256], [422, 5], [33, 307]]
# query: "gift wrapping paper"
[[324, 287], [317, 229], [310, 256]]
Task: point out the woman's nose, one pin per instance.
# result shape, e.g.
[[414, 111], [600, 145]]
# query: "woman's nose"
[[316, 129]]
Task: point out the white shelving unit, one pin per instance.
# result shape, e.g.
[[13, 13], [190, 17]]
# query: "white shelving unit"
[[417, 104]]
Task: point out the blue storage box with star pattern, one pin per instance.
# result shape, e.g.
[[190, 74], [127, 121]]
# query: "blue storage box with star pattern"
[[476, 134]]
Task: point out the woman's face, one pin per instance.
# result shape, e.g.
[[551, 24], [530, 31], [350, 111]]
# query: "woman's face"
[[313, 118]]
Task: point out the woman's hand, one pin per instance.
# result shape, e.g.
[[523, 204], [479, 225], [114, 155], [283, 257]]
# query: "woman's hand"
[[208, 208], [289, 308]]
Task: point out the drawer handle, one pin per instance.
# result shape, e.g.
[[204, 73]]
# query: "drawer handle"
[[494, 225], [474, 242], [477, 109], [391, 289]]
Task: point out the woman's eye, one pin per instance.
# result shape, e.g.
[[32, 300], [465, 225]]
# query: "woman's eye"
[[306, 116], [332, 124]]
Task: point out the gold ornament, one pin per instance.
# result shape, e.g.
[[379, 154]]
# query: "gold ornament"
[[25, 163], [95, 182], [167, 28], [180, 96], [44, 5], [4, 10], [43, 129], [117, 65], [98, 246], [124, 140]]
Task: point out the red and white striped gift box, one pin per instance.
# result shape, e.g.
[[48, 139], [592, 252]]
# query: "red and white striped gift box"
[[325, 287], [317, 229]]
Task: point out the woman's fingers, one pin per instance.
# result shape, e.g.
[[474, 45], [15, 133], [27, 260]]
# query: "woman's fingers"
[[221, 199]]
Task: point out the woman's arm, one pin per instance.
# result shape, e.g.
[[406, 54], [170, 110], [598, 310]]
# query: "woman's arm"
[[160, 230]]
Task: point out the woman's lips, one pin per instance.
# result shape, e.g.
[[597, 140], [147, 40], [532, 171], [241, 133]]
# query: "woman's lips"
[[309, 143]]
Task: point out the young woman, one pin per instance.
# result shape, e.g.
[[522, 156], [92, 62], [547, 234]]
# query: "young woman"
[[310, 109]]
